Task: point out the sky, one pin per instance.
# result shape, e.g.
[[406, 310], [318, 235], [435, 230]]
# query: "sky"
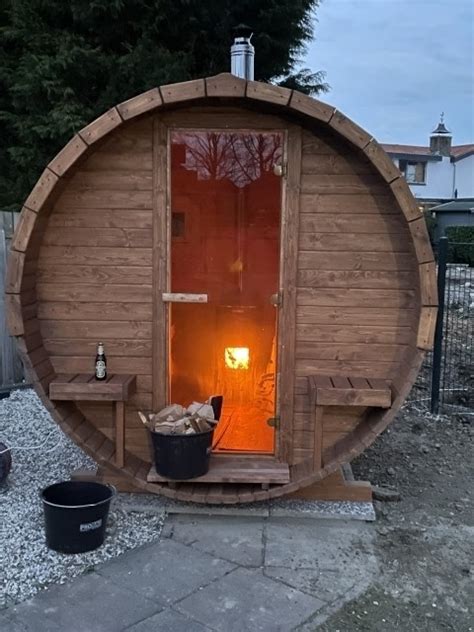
[[395, 65]]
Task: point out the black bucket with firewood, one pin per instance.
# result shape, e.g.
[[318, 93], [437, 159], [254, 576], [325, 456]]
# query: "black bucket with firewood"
[[182, 438]]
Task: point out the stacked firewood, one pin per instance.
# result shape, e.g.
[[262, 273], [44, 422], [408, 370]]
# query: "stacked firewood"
[[176, 419]]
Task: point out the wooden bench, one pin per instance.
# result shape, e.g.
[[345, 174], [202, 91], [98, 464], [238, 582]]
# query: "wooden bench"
[[328, 390], [116, 388]]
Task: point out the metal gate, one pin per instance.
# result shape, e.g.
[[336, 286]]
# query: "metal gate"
[[452, 387]]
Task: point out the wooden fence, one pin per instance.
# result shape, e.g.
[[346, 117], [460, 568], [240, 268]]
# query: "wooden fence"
[[11, 369]]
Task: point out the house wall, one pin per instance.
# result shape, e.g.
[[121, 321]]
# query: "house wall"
[[465, 177], [439, 181], [443, 177]]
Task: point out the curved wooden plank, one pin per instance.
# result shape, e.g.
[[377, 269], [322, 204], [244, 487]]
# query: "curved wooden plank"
[[421, 240], [145, 102], [101, 126], [426, 328], [350, 130], [24, 230], [185, 91], [428, 284], [405, 199], [268, 93], [14, 277], [311, 107], [381, 161], [41, 191], [225, 85], [14, 316], [68, 156]]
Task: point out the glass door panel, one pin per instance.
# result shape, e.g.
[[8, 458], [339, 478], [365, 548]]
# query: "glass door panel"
[[225, 231]]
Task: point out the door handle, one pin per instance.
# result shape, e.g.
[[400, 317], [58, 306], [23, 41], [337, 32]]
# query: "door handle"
[[276, 299], [180, 297]]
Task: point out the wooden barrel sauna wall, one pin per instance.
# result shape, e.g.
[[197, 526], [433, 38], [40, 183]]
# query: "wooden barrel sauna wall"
[[89, 262]]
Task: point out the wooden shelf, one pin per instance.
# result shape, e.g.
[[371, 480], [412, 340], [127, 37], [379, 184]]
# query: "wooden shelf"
[[337, 390], [85, 388], [226, 468], [350, 391]]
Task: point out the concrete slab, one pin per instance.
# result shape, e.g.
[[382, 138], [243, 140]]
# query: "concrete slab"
[[165, 572], [328, 586], [283, 507], [158, 504], [91, 602], [325, 545], [320, 509], [8, 625], [246, 601], [169, 621], [214, 574], [238, 540]]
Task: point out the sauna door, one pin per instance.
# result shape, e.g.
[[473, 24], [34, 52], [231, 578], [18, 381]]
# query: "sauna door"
[[225, 214]]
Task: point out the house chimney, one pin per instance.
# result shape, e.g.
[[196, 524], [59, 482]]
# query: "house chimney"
[[242, 53], [440, 139]]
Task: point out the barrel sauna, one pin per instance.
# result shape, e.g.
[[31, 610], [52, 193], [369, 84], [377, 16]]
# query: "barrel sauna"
[[224, 236]]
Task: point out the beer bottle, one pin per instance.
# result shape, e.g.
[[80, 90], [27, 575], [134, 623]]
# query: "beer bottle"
[[100, 363]]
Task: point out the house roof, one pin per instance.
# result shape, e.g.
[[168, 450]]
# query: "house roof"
[[463, 205], [462, 151], [457, 151], [406, 149]]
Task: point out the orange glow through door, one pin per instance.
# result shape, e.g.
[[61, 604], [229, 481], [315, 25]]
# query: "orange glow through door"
[[225, 232]]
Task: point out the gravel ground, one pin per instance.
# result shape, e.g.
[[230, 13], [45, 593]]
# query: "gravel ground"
[[425, 542], [26, 564]]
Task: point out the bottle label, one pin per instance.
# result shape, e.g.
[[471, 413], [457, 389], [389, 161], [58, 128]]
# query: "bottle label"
[[100, 368]]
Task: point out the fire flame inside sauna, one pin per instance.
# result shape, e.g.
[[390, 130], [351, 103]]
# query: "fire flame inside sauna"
[[225, 243], [237, 357]]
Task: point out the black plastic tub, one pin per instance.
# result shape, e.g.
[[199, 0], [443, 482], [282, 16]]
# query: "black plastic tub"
[[76, 514], [181, 457]]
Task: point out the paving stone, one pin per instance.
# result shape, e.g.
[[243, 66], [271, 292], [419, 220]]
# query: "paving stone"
[[247, 601], [89, 604], [8, 624], [322, 545], [304, 579], [169, 621], [238, 540], [328, 585], [165, 571]]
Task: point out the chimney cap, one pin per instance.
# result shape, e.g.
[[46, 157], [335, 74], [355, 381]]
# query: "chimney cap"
[[243, 30]]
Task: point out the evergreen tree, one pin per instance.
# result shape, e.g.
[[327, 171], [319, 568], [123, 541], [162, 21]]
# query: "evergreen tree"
[[63, 63]]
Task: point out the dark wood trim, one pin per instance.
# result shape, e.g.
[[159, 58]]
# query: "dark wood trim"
[[288, 279], [160, 264]]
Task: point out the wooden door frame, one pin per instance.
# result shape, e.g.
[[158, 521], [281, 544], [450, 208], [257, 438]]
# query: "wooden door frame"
[[160, 228], [289, 230], [288, 282]]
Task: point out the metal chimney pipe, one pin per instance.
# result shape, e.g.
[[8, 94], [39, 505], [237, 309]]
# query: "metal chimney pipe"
[[242, 54]]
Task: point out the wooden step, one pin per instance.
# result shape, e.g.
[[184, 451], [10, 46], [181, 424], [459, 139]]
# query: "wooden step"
[[226, 468]]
